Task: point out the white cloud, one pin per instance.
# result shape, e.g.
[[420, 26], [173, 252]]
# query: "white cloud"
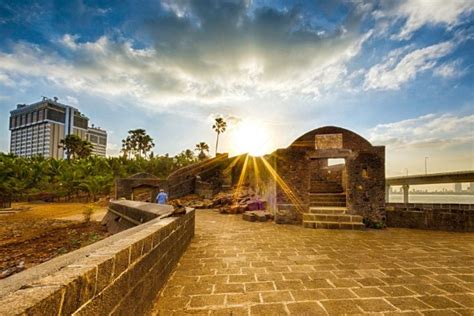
[[396, 70], [449, 70], [428, 131], [417, 13], [117, 69], [6, 80]]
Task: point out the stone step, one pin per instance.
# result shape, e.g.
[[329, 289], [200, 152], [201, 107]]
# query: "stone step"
[[321, 197], [333, 225], [327, 210], [327, 203], [340, 218], [325, 187]]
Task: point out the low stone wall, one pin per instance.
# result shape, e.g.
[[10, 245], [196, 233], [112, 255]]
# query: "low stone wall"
[[447, 217], [121, 274]]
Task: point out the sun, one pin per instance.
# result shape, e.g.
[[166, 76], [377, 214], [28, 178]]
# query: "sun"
[[251, 137]]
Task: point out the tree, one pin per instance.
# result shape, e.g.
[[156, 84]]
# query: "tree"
[[138, 143], [219, 126], [186, 157], [202, 148], [75, 147]]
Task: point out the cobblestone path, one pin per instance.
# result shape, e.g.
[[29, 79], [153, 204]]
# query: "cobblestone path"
[[234, 267]]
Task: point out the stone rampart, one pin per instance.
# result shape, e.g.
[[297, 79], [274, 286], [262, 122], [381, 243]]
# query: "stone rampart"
[[182, 181], [447, 217], [121, 274]]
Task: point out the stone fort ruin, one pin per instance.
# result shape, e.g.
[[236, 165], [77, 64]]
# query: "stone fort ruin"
[[301, 183], [329, 195]]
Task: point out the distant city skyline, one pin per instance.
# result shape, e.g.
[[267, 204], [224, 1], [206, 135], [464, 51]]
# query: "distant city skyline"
[[37, 129], [399, 73]]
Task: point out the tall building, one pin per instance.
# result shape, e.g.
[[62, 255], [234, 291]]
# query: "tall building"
[[458, 187], [38, 128], [98, 139]]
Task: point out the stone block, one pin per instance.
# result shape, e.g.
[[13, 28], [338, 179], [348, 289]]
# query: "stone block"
[[77, 282], [105, 269], [247, 216], [39, 300], [106, 301]]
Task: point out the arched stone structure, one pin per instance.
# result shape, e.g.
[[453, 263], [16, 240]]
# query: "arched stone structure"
[[358, 184], [124, 186]]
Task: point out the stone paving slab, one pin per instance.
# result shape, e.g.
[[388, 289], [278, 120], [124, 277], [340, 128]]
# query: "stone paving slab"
[[234, 267]]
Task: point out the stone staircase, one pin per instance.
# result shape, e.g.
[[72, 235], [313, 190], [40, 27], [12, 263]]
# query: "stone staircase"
[[331, 217], [328, 208], [327, 199], [318, 186]]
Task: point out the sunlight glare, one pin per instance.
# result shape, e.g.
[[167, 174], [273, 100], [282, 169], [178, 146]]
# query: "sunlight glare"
[[250, 137]]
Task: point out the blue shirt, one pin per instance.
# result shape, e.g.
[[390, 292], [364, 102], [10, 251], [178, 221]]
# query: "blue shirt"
[[161, 198]]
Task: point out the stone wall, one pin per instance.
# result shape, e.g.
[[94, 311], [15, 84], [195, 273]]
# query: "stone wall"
[[121, 274], [365, 189], [294, 168], [448, 217], [183, 181], [305, 161], [205, 189], [124, 186]]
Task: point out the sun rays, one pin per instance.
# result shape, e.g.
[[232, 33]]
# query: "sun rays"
[[257, 172]]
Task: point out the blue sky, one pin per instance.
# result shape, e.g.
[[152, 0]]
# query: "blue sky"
[[399, 73]]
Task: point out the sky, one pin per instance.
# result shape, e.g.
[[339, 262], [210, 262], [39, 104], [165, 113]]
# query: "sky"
[[399, 73]]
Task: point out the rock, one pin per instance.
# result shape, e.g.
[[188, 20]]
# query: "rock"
[[247, 216], [285, 217], [178, 211]]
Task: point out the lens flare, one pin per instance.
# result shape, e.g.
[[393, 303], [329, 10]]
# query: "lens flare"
[[250, 137]]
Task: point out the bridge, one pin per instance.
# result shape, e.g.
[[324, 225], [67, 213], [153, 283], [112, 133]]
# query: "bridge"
[[432, 178]]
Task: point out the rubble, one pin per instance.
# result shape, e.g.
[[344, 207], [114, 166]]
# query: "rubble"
[[244, 201], [257, 216]]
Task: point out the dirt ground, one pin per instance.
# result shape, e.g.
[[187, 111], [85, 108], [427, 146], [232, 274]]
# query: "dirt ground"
[[42, 231]]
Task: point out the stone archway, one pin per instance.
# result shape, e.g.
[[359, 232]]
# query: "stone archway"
[[125, 187], [354, 192]]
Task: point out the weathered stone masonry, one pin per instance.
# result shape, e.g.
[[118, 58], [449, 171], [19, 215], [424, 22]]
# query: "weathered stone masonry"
[[121, 275], [303, 166]]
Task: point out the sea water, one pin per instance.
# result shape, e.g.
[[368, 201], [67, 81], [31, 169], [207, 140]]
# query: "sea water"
[[433, 198]]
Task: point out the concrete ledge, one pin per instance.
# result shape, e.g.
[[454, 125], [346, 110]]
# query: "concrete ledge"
[[447, 217], [121, 274]]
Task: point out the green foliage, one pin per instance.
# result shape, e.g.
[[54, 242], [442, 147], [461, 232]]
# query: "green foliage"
[[75, 147], [203, 150], [137, 144], [21, 178]]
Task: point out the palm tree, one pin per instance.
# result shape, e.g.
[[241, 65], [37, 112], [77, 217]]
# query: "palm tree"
[[85, 149], [202, 148], [75, 147], [137, 143], [219, 126], [184, 158], [70, 144]]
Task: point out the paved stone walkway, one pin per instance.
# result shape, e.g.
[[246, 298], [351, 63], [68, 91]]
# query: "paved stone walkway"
[[234, 267]]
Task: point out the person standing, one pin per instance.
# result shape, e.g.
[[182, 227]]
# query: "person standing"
[[162, 197]]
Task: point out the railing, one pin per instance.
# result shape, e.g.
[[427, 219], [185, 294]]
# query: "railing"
[[432, 178]]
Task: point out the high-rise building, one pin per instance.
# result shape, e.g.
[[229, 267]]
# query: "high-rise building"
[[458, 187], [471, 187], [98, 138], [38, 128]]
